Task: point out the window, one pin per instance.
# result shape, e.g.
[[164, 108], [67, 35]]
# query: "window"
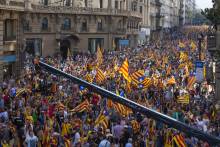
[[86, 3], [116, 4], [26, 26], [141, 9], [84, 25], [93, 44], [66, 24], [68, 2], [121, 5], [101, 3], [44, 24], [134, 6], [99, 25], [10, 29], [34, 46], [45, 2]]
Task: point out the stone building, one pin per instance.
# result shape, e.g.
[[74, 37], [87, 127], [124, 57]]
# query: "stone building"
[[164, 14], [46, 27], [187, 11]]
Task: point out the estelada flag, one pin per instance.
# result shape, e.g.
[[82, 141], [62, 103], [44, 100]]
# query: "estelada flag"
[[84, 106]]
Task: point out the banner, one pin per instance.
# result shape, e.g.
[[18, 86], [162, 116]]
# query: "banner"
[[199, 71]]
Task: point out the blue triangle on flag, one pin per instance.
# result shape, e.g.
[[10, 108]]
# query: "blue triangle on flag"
[[141, 79]]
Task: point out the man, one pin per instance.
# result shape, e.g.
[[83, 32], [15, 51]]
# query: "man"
[[31, 140], [105, 142], [129, 144]]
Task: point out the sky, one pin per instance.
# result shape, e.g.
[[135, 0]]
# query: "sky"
[[202, 4]]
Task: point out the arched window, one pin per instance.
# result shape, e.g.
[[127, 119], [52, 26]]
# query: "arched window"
[[67, 24], [44, 23], [99, 25], [84, 25]]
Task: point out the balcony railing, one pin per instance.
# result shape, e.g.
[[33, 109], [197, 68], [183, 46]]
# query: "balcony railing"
[[83, 10], [12, 5], [9, 38], [20, 6], [46, 30], [27, 29]]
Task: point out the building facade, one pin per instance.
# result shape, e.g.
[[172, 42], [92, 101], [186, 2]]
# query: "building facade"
[[187, 11], [164, 14], [47, 27]]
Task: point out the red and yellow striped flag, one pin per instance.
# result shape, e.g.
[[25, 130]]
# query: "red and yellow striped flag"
[[121, 109], [102, 120], [168, 71], [171, 81], [191, 82], [146, 83], [183, 56], [124, 70], [193, 46], [184, 99], [100, 76], [181, 44], [99, 56], [89, 78], [84, 106], [110, 104], [136, 76], [179, 140], [135, 125]]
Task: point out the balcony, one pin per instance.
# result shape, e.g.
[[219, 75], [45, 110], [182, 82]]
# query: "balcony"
[[156, 2], [83, 10], [45, 30], [27, 29], [121, 31], [12, 5], [9, 38]]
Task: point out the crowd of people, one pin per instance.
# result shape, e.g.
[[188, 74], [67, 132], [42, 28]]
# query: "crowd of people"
[[41, 108]]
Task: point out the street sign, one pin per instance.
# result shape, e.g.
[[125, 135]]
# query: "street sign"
[[124, 42]]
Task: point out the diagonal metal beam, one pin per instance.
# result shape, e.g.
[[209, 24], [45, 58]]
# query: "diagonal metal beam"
[[137, 107]]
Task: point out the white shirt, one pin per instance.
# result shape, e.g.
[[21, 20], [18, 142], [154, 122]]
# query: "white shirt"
[[31, 141], [76, 138], [104, 143]]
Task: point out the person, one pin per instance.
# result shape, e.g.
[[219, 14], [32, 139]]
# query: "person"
[[105, 142], [76, 137], [31, 140], [129, 144]]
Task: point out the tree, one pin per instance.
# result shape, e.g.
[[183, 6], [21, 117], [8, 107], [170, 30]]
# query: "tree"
[[213, 14]]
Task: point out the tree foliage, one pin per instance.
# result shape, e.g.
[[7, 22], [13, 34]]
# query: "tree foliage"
[[213, 14]]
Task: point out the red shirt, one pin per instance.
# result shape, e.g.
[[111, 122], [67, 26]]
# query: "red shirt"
[[95, 99]]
